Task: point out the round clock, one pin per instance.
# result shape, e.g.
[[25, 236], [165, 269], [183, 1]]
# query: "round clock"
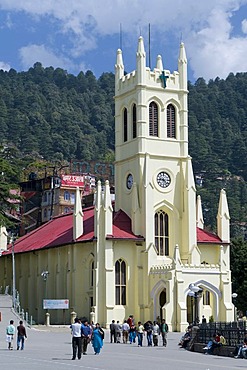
[[163, 179], [129, 181]]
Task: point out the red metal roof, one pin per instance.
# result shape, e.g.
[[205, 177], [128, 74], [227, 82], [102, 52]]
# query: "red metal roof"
[[204, 236], [59, 231]]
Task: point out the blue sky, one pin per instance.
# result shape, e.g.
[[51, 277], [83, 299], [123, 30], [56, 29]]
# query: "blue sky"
[[84, 34]]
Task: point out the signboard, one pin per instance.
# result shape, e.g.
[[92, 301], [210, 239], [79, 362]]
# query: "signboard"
[[55, 304], [72, 180], [101, 170]]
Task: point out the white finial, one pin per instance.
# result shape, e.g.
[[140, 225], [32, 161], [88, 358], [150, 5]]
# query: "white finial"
[[159, 64], [141, 50]]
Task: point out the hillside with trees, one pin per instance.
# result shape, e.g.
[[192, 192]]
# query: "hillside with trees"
[[50, 114]]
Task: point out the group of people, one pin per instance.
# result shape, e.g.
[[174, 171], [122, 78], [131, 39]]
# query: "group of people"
[[130, 331], [217, 341], [21, 335], [83, 334]]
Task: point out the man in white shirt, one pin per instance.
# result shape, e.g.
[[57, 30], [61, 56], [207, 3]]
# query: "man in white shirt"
[[76, 338], [10, 332], [156, 333]]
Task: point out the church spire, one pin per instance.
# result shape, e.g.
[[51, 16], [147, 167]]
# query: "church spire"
[[77, 216], [182, 67], [141, 62], [223, 218], [199, 214]]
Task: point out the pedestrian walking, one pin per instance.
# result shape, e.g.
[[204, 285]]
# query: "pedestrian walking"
[[113, 331], [149, 329], [164, 330], [21, 335], [86, 334], [76, 338], [10, 332], [140, 333], [132, 334], [118, 331], [156, 333], [125, 328], [97, 339]]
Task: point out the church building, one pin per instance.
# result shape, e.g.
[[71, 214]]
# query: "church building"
[[146, 253]]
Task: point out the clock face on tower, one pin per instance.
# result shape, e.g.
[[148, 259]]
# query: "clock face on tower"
[[163, 179], [129, 181]]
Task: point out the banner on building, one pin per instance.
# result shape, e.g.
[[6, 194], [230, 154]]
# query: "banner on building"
[[55, 304], [72, 180]]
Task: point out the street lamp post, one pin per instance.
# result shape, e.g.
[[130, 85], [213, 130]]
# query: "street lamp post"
[[195, 292], [13, 272], [234, 296]]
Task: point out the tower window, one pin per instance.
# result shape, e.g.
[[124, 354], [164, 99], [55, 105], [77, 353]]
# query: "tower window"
[[206, 298], [125, 124], [161, 233], [134, 121], [120, 282], [171, 121], [153, 119]]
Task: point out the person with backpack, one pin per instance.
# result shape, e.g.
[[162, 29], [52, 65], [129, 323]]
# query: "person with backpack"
[[164, 330]]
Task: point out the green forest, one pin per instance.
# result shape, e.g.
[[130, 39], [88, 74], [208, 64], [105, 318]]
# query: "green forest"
[[47, 114]]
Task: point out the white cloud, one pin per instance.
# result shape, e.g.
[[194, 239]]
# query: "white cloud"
[[206, 27], [244, 26], [39, 53], [4, 66]]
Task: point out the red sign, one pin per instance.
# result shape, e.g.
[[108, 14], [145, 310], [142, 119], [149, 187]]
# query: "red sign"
[[72, 180]]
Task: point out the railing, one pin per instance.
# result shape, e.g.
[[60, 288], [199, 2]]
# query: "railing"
[[24, 315], [234, 332]]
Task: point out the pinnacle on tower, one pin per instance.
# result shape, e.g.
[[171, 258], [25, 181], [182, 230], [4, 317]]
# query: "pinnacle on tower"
[[140, 49], [182, 54], [119, 67], [223, 218], [159, 64], [182, 67], [141, 62], [77, 216], [199, 214]]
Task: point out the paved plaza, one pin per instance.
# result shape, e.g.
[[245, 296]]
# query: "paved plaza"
[[50, 348]]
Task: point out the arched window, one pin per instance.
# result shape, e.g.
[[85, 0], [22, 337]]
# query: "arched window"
[[153, 119], [134, 121], [125, 124], [161, 233], [171, 121], [120, 282]]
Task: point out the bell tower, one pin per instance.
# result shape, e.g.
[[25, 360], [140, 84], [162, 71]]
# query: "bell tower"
[[153, 171]]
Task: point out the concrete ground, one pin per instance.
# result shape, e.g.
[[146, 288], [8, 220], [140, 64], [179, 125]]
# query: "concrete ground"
[[50, 348]]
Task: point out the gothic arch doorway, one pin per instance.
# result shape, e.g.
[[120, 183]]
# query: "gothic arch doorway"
[[162, 302]]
